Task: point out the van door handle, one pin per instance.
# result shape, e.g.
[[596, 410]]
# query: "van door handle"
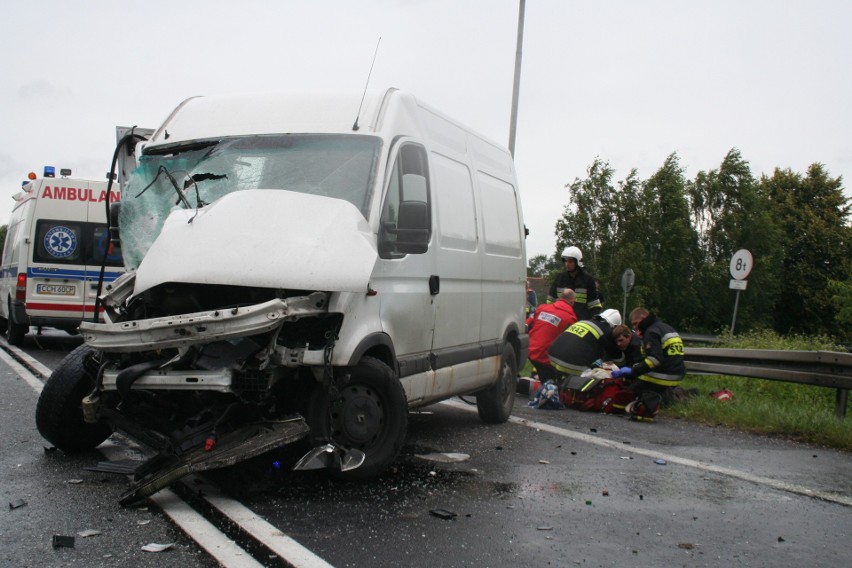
[[434, 284]]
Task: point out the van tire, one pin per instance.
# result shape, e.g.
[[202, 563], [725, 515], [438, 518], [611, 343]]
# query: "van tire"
[[370, 414], [59, 416], [495, 403]]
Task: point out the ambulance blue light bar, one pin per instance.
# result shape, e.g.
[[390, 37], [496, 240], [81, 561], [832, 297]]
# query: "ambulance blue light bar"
[[49, 171]]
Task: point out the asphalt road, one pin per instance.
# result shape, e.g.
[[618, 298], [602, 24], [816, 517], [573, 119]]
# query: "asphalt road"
[[549, 488]]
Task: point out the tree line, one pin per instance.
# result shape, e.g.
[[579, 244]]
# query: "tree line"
[[678, 236]]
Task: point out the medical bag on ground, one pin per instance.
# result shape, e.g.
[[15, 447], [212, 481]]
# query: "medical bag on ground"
[[590, 390]]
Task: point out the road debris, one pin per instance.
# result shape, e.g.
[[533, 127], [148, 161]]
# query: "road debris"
[[87, 533], [443, 514], [660, 461], [155, 547], [62, 541], [17, 504], [444, 457]]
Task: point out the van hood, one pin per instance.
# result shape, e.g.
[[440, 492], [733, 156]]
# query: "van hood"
[[267, 239]]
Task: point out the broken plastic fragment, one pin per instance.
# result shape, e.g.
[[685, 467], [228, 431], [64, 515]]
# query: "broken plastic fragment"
[[154, 547], [444, 457], [443, 514], [660, 461], [88, 533], [17, 503], [60, 541], [544, 528]]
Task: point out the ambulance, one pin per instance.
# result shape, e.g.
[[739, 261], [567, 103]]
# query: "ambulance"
[[54, 252]]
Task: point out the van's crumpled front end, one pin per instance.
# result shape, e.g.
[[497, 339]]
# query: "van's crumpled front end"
[[203, 356], [294, 275]]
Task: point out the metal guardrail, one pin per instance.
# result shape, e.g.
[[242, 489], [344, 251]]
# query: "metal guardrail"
[[819, 368]]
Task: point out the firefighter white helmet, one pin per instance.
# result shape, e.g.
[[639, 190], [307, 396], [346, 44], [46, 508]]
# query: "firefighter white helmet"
[[612, 317], [573, 252]]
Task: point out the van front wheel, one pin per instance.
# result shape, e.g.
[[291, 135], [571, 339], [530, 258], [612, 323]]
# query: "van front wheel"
[[495, 403], [59, 416], [366, 410]]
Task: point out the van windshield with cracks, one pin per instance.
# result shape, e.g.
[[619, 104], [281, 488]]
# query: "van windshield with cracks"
[[190, 175]]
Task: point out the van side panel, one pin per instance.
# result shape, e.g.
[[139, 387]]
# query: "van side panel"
[[459, 261]]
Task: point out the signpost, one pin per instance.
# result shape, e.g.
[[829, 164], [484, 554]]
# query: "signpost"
[[627, 280], [741, 264]]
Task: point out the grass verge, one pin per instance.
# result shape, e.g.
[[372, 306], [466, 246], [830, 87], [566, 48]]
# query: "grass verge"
[[799, 412]]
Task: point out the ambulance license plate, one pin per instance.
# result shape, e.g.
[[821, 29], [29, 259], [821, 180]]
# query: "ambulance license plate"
[[56, 289]]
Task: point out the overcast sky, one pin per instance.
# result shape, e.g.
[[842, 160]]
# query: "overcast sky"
[[630, 81]]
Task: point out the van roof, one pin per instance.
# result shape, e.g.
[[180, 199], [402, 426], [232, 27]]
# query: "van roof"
[[270, 113]]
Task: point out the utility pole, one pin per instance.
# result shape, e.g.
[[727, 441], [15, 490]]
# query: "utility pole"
[[517, 84]]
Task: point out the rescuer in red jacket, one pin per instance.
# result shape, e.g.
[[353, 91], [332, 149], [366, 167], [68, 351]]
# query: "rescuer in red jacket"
[[544, 326]]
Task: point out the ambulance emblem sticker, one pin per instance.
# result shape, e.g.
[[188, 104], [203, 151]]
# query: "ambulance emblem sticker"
[[60, 242]]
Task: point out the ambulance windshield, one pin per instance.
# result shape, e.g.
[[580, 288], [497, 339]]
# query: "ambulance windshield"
[[197, 174]]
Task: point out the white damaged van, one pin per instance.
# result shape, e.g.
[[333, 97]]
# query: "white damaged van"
[[299, 268]]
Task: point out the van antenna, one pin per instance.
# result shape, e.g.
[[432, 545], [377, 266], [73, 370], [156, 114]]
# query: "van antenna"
[[355, 126]]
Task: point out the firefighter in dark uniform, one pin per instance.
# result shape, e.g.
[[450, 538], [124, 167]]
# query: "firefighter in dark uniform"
[[662, 366], [587, 303], [583, 343]]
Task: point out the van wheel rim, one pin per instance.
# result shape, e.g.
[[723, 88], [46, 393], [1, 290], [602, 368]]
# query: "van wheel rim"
[[358, 417]]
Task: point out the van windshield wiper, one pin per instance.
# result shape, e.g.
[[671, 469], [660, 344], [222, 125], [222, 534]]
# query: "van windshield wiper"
[[181, 196], [193, 181]]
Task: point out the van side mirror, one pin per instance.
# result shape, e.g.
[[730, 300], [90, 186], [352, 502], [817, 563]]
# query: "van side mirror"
[[114, 210], [412, 227]]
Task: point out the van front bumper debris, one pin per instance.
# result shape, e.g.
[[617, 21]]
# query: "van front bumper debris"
[[201, 327]]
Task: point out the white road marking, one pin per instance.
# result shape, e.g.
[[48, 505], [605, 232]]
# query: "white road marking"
[[767, 481], [225, 551], [205, 534], [269, 535], [22, 371]]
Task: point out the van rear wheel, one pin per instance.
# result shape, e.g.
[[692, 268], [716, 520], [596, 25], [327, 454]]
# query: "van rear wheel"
[[59, 415], [368, 411], [495, 403]]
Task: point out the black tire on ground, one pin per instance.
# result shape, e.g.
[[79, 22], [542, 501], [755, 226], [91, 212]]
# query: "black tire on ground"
[[369, 413], [4, 323], [15, 332], [59, 417], [495, 403]]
